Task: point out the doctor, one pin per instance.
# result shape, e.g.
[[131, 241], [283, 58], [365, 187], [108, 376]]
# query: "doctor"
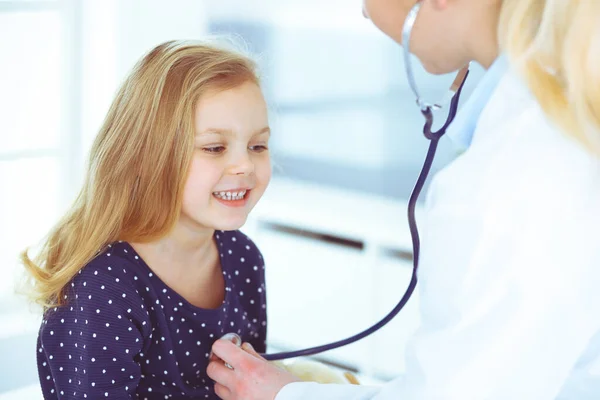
[[510, 264]]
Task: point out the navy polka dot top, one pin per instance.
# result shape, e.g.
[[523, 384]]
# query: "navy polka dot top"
[[124, 334]]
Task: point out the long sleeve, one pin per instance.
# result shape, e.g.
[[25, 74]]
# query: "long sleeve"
[[88, 348], [507, 311]]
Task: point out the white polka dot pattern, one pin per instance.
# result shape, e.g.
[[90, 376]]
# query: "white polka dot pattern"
[[125, 334]]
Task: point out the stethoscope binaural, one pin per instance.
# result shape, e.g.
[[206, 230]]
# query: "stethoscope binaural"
[[427, 111]]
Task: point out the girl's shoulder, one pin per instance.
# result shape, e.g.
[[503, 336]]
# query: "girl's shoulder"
[[109, 289], [114, 276], [117, 263], [240, 257], [238, 243]]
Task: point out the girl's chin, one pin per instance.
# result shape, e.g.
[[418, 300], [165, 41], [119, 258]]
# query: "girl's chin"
[[230, 224], [218, 222]]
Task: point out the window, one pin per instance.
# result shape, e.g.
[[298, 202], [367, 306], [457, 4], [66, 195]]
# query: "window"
[[38, 88]]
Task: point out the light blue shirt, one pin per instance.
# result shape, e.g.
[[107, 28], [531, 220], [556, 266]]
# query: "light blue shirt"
[[463, 127]]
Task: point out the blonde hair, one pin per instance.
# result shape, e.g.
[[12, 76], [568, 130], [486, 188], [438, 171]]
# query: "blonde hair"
[[139, 160], [555, 44]]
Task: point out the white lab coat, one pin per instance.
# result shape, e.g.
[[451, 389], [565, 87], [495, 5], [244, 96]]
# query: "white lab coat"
[[510, 269]]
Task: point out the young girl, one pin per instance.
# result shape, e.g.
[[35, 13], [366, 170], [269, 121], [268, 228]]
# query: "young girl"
[[148, 268], [510, 264]]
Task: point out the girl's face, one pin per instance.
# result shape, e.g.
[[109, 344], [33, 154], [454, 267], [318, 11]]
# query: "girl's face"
[[231, 166]]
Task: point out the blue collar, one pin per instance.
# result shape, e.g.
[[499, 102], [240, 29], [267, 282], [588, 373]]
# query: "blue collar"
[[463, 127]]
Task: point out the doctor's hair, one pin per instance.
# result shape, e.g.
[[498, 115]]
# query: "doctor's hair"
[[555, 44], [139, 161]]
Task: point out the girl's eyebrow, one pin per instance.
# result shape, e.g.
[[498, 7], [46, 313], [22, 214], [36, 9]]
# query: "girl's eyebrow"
[[229, 132]]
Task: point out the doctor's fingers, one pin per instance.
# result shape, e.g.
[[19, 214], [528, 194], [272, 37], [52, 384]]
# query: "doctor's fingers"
[[244, 383], [218, 372], [247, 347], [231, 354], [223, 392]]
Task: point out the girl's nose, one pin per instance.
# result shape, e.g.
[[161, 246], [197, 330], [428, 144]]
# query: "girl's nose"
[[241, 165]]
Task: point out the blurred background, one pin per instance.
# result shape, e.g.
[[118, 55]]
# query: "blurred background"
[[347, 148]]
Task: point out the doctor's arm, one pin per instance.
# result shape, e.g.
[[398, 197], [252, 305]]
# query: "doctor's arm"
[[506, 313], [508, 320]]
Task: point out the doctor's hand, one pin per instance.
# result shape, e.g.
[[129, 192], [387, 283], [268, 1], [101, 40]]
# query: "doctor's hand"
[[252, 377]]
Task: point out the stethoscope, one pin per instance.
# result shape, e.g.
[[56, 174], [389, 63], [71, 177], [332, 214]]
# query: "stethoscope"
[[427, 109]]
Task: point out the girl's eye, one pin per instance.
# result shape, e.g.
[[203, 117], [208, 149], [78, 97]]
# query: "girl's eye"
[[214, 149], [259, 148]]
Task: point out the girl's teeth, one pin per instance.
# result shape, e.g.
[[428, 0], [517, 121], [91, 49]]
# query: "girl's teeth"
[[230, 195]]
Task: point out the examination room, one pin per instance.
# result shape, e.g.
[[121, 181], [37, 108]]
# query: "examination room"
[[299, 199]]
